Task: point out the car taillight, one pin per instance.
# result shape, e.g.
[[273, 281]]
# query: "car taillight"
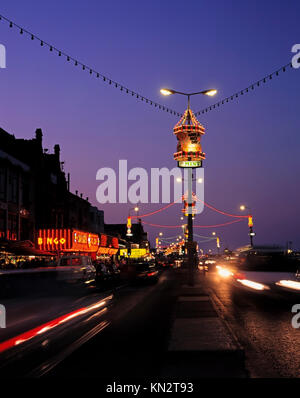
[[239, 275], [151, 273]]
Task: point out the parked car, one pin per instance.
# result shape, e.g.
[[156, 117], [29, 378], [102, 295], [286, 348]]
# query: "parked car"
[[76, 268], [263, 272]]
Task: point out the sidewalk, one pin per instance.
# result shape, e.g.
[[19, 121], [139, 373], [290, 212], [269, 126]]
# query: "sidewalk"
[[201, 344]]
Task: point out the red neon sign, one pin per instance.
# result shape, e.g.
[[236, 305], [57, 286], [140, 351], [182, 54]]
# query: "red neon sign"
[[73, 240]]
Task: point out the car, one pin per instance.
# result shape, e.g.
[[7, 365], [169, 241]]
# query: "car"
[[143, 271], [263, 272], [202, 266], [76, 268]]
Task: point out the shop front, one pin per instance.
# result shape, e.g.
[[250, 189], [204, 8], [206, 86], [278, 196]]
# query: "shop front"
[[108, 247], [73, 241]]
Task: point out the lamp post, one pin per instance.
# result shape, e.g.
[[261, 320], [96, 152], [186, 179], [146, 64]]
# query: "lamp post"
[[136, 209], [217, 242], [250, 223], [189, 116]]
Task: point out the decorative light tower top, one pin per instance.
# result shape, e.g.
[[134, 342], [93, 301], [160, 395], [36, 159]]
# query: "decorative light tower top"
[[188, 132]]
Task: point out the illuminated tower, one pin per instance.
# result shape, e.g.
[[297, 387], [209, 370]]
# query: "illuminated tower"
[[188, 132]]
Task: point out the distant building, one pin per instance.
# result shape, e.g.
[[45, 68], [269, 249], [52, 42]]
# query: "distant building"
[[96, 220], [139, 236]]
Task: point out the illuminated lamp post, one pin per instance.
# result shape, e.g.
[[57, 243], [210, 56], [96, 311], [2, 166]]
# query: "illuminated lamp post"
[[129, 225], [250, 223], [189, 155]]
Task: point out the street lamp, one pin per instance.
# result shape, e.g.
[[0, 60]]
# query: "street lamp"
[[190, 245], [129, 224], [250, 223], [169, 91], [217, 241]]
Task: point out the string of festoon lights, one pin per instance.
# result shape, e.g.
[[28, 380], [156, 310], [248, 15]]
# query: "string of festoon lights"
[[195, 226], [87, 68], [198, 200], [205, 237], [224, 213], [238, 217], [135, 94], [247, 89]]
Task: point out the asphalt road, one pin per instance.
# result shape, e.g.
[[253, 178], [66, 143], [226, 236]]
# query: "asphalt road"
[[135, 342], [263, 327]]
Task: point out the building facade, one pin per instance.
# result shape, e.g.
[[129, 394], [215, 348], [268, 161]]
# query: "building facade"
[[35, 192]]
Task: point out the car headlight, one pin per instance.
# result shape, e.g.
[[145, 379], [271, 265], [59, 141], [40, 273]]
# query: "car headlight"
[[253, 285], [289, 284], [224, 273]]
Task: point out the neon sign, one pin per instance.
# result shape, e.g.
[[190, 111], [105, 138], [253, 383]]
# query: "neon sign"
[[73, 240]]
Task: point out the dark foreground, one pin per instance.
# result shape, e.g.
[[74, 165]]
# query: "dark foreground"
[[129, 335]]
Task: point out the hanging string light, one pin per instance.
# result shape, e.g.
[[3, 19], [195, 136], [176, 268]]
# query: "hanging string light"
[[195, 226], [219, 211], [139, 96], [245, 90], [91, 71]]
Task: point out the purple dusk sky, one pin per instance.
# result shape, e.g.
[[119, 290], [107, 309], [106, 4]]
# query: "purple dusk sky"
[[252, 143]]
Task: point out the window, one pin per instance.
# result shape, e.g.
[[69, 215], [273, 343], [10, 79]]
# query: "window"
[[25, 192], [13, 186], [12, 227], [2, 223], [2, 183]]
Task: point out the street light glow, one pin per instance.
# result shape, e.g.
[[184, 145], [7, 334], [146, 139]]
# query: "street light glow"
[[210, 92], [136, 209], [166, 91], [242, 207]]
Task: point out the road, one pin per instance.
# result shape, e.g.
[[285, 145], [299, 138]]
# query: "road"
[[263, 327], [135, 342], [136, 330]]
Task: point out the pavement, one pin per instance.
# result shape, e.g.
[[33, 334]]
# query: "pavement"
[[201, 343]]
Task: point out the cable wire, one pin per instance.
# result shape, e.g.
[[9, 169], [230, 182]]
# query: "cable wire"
[[91, 71], [245, 90]]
